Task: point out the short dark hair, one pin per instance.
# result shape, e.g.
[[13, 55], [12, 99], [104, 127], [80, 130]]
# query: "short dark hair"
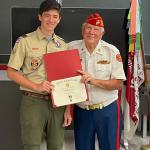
[[48, 5]]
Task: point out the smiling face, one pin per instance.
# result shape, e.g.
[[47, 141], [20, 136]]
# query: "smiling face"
[[49, 20], [92, 34]]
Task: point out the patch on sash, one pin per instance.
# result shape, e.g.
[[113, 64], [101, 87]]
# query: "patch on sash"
[[35, 63], [118, 58], [103, 62]]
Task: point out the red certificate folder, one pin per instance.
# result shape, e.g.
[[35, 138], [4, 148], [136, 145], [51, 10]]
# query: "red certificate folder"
[[62, 64]]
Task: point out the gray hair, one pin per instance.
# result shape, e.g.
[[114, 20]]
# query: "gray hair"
[[83, 26]]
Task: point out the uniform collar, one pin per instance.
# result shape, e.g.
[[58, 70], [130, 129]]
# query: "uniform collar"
[[54, 37], [83, 47], [97, 50], [42, 36]]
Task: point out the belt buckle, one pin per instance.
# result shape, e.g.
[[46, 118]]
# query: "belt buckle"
[[87, 107], [100, 106], [94, 106]]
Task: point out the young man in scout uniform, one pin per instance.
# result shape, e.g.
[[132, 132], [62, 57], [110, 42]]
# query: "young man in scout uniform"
[[37, 116], [104, 75]]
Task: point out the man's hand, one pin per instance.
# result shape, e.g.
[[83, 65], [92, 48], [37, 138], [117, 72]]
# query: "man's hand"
[[111, 84], [67, 117], [44, 87], [86, 77]]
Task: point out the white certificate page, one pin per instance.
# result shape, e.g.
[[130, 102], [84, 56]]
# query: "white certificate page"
[[68, 91]]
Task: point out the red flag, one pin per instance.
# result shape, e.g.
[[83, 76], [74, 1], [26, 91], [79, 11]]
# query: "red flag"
[[135, 71]]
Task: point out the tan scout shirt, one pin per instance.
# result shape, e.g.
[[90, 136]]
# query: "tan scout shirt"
[[104, 63], [28, 51]]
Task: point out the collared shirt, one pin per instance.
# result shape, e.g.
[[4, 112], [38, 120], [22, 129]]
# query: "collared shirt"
[[105, 64], [28, 51]]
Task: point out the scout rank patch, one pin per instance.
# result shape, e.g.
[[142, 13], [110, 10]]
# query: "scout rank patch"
[[118, 58], [35, 63]]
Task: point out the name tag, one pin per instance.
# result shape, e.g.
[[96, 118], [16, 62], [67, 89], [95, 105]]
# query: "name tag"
[[103, 62]]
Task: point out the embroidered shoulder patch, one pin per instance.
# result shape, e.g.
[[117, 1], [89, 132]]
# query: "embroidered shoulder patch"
[[118, 58], [19, 38]]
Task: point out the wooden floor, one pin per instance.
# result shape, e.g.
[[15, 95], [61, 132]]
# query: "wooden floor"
[[134, 144]]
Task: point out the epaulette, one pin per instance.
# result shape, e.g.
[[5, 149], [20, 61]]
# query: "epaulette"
[[60, 38], [24, 36], [109, 46], [29, 34], [21, 37]]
